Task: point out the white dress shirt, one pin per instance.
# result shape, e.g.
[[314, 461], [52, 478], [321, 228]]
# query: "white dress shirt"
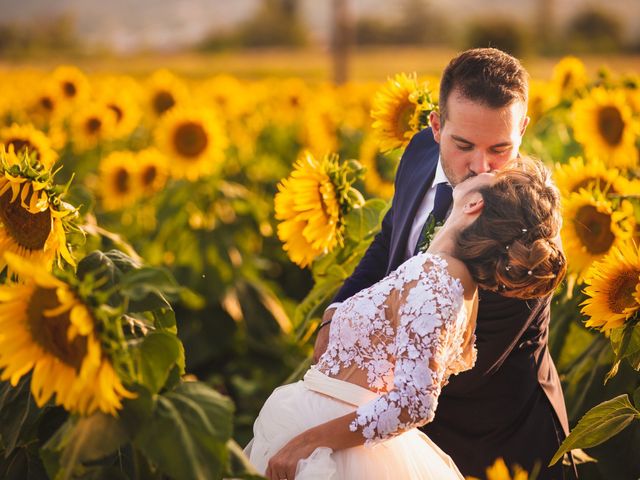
[[425, 208]]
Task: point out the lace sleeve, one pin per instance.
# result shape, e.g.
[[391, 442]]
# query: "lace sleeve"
[[429, 333]]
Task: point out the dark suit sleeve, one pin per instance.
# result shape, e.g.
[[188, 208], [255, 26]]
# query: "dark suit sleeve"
[[375, 261], [502, 325]]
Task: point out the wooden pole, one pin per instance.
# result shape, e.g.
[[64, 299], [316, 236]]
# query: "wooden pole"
[[340, 41]]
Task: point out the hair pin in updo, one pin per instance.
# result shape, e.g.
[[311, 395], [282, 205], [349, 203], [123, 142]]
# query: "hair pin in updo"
[[529, 272], [524, 230], [507, 268]]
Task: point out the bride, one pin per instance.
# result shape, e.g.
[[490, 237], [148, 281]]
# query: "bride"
[[393, 345]]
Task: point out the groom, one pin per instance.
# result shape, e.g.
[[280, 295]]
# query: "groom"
[[510, 404]]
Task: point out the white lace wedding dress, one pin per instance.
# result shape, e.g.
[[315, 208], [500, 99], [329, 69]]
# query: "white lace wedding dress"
[[391, 349]]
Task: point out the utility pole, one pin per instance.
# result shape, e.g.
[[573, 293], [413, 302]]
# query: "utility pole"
[[545, 25], [340, 41]]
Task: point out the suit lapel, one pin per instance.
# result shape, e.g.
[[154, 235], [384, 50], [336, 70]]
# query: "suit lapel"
[[418, 177]]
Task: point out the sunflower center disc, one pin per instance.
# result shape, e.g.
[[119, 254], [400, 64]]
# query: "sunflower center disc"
[[162, 102], [621, 293], [117, 110], [46, 103], [122, 181], [594, 230], [29, 230], [611, 125], [149, 175], [70, 89], [404, 117], [190, 139], [93, 125], [51, 332]]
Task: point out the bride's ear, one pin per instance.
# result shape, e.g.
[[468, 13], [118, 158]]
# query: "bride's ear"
[[474, 204]]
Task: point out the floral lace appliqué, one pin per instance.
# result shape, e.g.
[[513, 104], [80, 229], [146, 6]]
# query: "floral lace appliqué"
[[406, 332]]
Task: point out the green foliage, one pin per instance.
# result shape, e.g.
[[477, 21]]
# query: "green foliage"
[[594, 30], [188, 431], [171, 428], [331, 270], [599, 424], [502, 33]]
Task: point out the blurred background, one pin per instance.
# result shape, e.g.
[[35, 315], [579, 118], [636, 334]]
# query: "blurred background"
[[369, 39], [175, 123]]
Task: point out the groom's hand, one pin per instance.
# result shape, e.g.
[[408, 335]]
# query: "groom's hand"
[[322, 339]]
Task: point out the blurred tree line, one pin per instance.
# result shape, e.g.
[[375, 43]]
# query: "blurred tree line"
[[279, 23], [40, 36]]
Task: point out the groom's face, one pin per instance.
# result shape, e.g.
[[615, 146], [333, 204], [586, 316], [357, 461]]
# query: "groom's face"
[[475, 138]]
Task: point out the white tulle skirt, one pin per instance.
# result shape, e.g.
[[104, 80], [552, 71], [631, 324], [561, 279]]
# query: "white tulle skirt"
[[294, 408]]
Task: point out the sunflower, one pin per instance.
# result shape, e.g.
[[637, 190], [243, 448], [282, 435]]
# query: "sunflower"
[[33, 218], [400, 110], [578, 173], [542, 97], [320, 123], [45, 107], [46, 329], [380, 173], [288, 101], [228, 94], [311, 204], [613, 288], [569, 75], [194, 141], [592, 227], [499, 471], [118, 173], [603, 124], [71, 84], [120, 95], [92, 124], [355, 101], [164, 91], [152, 171], [26, 138]]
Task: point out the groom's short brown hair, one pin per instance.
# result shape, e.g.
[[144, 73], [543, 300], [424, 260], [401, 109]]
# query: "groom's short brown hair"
[[485, 75]]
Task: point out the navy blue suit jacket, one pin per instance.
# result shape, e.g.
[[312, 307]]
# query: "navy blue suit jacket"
[[510, 404]]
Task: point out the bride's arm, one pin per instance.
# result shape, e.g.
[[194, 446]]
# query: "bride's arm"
[[426, 308]]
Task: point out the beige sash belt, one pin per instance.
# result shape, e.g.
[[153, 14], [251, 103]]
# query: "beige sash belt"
[[338, 389]]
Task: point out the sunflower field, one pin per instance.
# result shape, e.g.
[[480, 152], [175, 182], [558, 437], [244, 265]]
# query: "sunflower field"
[[168, 246]]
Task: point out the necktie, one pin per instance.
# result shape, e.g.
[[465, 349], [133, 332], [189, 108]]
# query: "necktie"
[[441, 204]]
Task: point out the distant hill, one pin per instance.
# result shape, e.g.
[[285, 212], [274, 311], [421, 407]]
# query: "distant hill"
[[132, 24]]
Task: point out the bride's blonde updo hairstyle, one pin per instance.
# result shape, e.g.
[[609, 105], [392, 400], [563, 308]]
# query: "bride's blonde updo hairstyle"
[[513, 247]]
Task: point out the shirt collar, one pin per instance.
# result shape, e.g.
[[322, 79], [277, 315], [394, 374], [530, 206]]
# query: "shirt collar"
[[440, 176]]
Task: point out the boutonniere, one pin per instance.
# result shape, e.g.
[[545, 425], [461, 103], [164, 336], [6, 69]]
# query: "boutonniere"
[[431, 230]]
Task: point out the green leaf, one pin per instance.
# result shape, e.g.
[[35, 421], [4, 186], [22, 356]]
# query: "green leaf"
[[365, 221], [18, 414], [319, 296], [599, 424], [636, 398], [187, 435], [239, 465], [84, 439], [155, 356], [23, 464], [626, 341]]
